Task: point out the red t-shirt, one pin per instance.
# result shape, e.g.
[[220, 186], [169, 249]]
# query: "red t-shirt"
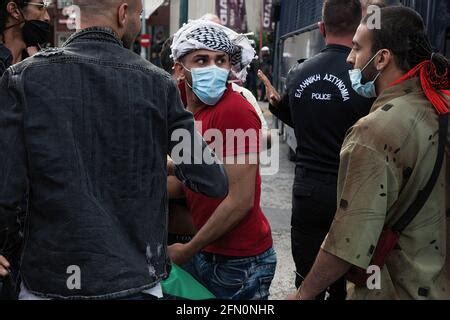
[[253, 235]]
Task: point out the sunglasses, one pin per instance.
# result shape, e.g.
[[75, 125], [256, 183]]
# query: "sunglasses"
[[42, 5]]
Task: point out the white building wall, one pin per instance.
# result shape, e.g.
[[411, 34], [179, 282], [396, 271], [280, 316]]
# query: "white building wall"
[[254, 11], [198, 8], [174, 16]]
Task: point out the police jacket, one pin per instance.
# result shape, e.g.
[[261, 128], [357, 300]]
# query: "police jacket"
[[320, 104]]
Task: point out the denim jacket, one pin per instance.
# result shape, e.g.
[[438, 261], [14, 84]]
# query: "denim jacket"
[[5, 58], [84, 133]]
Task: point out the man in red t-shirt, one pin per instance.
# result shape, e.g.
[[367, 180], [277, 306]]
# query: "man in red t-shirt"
[[232, 252]]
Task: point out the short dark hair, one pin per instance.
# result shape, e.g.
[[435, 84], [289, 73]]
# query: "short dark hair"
[[98, 7], [167, 62], [341, 17], [403, 33], [4, 12], [379, 3]]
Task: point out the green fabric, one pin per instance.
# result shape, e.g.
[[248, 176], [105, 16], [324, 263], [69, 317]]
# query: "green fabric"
[[182, 285]]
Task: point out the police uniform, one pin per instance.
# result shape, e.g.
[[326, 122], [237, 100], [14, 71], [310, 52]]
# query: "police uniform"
[[321, 106], [386, 159]]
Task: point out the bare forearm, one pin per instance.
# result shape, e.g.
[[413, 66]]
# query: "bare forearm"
[[282, 110], [226, 217], [326, 270], [175, 188]]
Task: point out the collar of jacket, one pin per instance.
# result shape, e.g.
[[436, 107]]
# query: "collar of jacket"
[[337, 47], [103, 34], [402, 89]]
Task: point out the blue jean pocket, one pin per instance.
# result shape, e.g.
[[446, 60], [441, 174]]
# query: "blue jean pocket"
[[229, 277]]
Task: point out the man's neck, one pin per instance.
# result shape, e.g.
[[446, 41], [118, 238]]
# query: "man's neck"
[[194, 105], [342, 41], [194, 109], [101, 22], [12, 39], [387, 78]]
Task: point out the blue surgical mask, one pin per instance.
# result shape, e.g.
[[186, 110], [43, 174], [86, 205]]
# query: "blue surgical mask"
[[368, 89], [209, 83]]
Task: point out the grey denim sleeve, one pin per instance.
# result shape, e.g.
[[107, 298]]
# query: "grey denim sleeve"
[[13, 168], [201, 172]]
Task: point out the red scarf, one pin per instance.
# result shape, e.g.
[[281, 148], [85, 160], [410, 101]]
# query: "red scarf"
[[432, 83]]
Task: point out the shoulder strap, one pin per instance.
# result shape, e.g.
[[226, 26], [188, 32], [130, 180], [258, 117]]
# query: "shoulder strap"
[[424, 194]]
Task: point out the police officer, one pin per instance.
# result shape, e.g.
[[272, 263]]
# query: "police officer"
[[321, 106]]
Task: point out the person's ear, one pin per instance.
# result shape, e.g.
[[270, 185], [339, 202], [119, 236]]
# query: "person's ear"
[[322, 29], [383, 59], [122, 15], [178, 72], [13, 10]]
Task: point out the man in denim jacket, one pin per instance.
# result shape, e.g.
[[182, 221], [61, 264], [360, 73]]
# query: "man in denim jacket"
[[85, 131]]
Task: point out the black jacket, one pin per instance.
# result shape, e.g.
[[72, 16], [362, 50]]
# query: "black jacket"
[[321, 105], [86, 130]]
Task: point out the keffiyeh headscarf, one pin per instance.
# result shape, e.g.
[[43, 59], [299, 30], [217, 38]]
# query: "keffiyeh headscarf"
[[203, 34]]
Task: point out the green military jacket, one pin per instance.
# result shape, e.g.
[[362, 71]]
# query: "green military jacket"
[[386, 159]]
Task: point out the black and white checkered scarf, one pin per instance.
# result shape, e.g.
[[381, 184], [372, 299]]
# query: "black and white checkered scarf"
[[201, 34]]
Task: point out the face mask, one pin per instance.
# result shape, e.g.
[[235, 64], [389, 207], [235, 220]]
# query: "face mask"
[[368, 89], [35, 33], [209, 84]]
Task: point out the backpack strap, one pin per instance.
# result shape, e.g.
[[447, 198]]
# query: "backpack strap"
[[424, 194]]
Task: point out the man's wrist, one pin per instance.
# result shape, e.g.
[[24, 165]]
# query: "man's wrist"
[[192, 248], [274, 103], [302, 293], [298, 295]]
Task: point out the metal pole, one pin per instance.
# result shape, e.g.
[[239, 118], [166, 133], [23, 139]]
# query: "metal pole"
[[261, 28], [144, 30], [184, 12]]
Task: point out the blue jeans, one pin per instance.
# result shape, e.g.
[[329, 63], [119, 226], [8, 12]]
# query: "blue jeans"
[[140, 297], [235, 279]]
